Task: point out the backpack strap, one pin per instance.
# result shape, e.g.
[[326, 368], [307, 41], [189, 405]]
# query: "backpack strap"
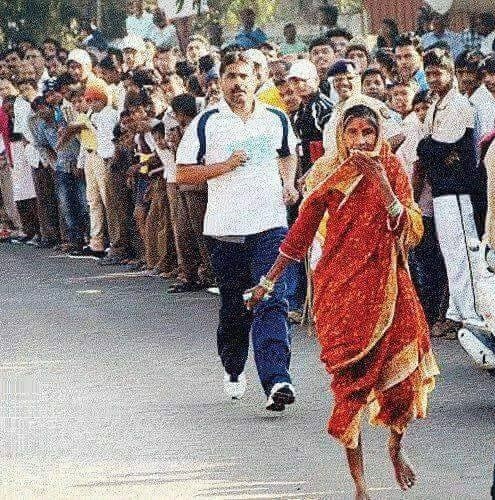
[[284, 150], [201, 130]]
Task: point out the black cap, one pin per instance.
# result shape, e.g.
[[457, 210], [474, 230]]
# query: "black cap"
[[341, 67]]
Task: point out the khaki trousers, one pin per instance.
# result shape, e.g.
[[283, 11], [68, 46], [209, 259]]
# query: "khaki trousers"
[[159, 237], [192, 252], [7, 191], [106, 208]]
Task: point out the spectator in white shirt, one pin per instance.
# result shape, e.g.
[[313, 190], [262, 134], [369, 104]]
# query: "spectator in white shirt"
[[139, 22], [483, 100], [163, 33], [448, 156]]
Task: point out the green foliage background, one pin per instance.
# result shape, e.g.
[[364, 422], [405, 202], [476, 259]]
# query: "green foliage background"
[[55, 18]]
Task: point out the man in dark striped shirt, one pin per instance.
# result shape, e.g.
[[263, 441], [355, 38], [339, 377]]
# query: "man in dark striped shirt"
[[313, 114]]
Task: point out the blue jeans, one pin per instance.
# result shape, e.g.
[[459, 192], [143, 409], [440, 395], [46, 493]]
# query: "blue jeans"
[[237, 267], [297, 285], [73, 205]]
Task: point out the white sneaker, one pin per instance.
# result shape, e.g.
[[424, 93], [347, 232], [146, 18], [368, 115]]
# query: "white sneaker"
[[235, 389], [281, 394]]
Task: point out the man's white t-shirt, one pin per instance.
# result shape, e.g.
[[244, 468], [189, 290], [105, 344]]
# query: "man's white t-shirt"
[[247, 200], [413, 130], [104, 123], [484, 106]]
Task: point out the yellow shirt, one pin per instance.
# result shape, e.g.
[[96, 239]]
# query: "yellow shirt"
[[88, 135], [272, 97]]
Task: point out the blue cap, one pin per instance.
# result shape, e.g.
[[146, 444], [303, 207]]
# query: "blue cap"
[[342, 66]]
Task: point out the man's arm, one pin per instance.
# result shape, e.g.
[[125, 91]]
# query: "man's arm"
[[396, 142], [199, 174], [288, 168]]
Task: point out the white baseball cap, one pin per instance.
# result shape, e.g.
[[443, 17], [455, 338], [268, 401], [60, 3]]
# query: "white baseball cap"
[[257, 57], [80, 56], [303, 70]]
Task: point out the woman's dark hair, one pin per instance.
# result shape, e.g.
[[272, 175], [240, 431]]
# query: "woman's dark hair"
[[361, 111], [185, 104], [382, 42]]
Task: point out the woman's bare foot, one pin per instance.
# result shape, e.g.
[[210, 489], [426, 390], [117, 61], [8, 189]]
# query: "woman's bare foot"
[[404, 473], [356, 467], [362, 494]]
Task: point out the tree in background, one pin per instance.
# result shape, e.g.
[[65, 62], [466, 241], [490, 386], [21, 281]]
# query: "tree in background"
[[38, 19]]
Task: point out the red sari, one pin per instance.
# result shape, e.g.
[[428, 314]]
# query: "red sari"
[[369, 322]]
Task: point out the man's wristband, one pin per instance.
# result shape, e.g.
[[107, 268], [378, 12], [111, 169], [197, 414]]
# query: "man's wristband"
[[267, 284]]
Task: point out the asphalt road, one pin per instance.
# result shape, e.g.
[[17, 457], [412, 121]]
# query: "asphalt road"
[[111, 389]]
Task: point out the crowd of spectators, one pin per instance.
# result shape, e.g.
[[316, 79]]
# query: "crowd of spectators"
[[89, 138]]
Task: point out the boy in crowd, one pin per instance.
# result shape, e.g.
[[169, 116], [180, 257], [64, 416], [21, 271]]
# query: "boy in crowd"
[[373, 84], [322, 55], [291, 45], [400, 98]]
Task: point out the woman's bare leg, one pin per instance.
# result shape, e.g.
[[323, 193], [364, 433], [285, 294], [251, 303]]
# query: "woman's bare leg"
[[403, 471], [356, 466]]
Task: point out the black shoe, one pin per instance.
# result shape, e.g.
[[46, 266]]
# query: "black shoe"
[[282, 394], [48, 243], [86, 253], [184, 287]]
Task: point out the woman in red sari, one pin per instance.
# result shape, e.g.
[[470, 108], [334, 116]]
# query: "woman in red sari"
[[369, 322]]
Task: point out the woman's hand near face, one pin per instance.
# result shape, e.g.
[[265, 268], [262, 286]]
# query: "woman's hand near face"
[[374, 169], [368, 166]]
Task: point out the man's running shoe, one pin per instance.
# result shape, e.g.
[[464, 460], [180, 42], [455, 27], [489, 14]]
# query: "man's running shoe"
[[234, 387], [282, 394]]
